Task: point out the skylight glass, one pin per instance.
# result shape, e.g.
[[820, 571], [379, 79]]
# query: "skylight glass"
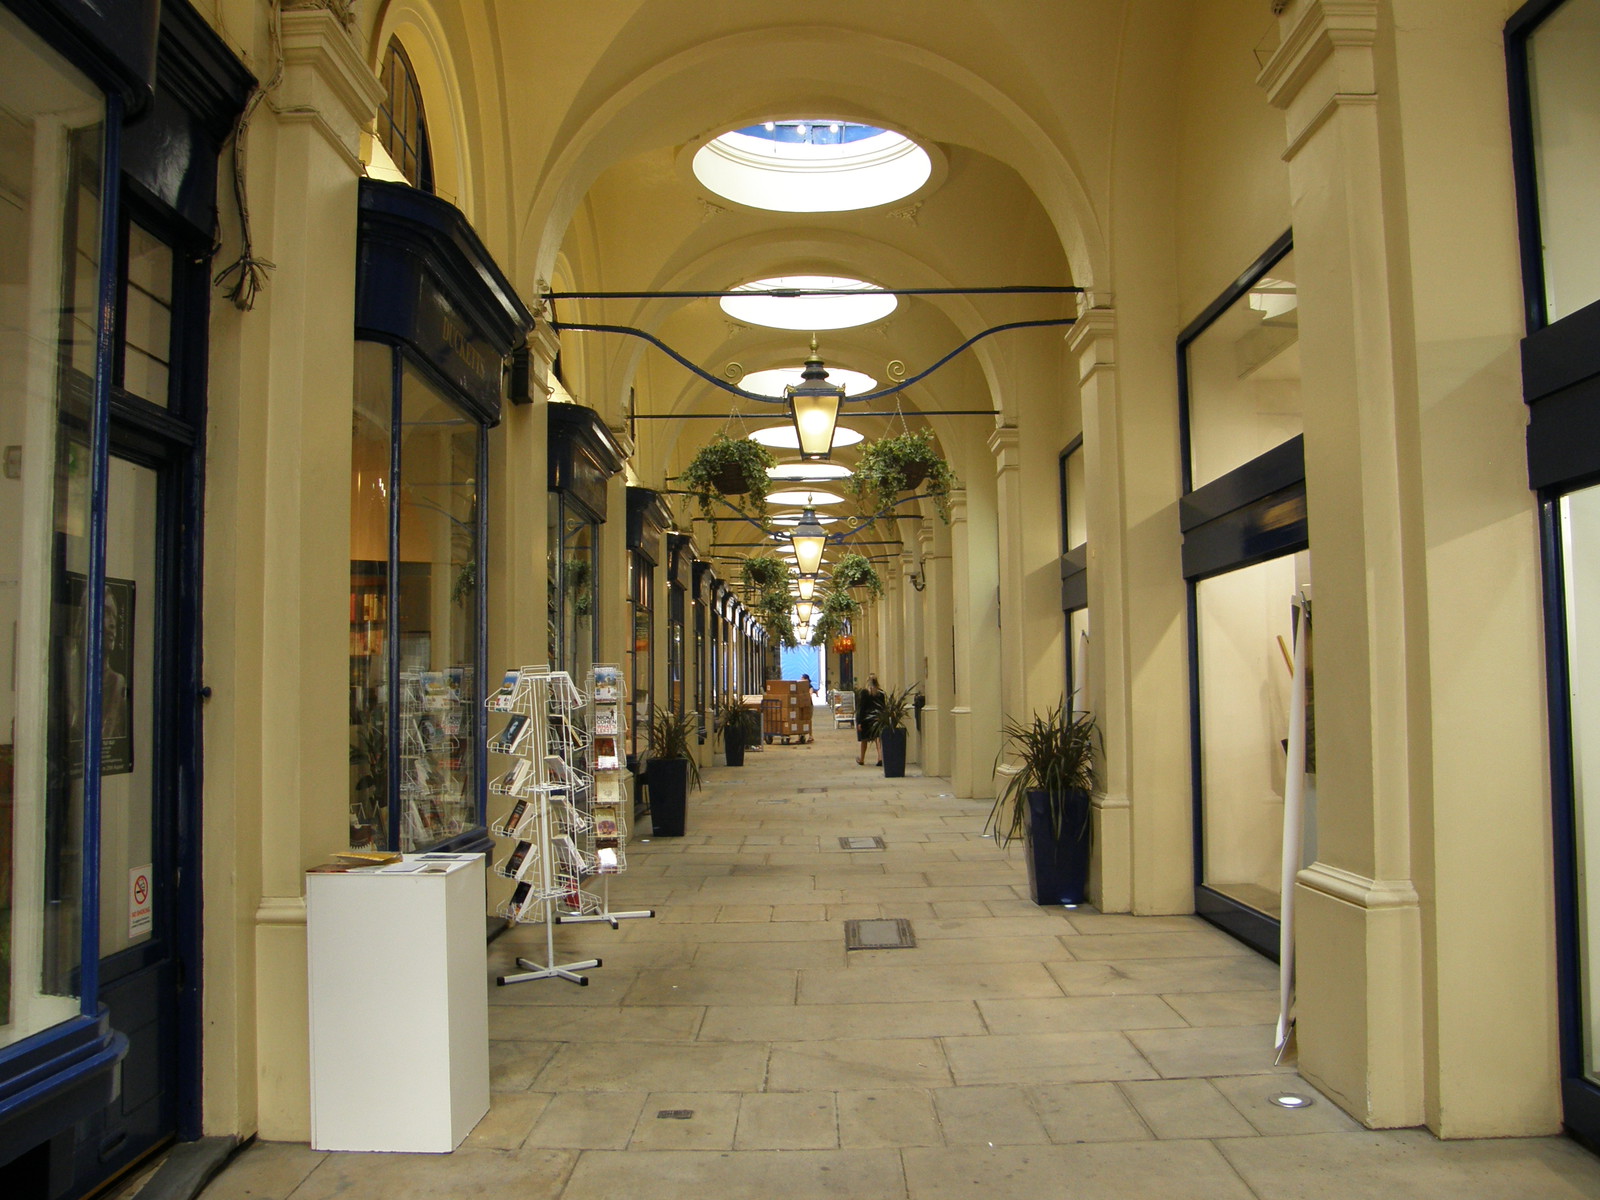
[[784, 437], [771, 382], [809, 470], [808, 312], [812, 166], [807, 498]]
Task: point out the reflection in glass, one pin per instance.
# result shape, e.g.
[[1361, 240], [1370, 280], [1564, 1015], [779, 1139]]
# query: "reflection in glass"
[[369, 595], [1580, 549], [1245, 632], [1244, 377], [1077, 519], [1565, 95], [1078, 660], [50, 207], [146, 344], [573, 586], [641, 656], [436, 602]]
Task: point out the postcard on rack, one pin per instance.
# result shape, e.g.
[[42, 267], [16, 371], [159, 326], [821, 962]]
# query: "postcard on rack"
[[501, 700]]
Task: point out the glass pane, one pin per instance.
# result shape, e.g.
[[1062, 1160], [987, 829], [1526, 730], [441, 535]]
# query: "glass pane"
[[126, 781], [369, 596], [50, 121], [1244, 377], [575, 575], [1580, 545], [1078, 656], [147, 319], [1246, 635], [1077, 519], [437, 606], [1565, 95]]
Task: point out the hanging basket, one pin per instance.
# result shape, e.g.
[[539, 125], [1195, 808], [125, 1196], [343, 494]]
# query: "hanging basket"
[[844, 644], [915, 473], [730, 481]]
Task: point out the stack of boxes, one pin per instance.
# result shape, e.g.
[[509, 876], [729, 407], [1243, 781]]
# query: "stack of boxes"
[[786, 710]]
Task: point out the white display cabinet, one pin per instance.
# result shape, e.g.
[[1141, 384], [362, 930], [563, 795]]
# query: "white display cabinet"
[[398, 973]]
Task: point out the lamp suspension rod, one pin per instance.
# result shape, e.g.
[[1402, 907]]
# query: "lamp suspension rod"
[[792, 293]]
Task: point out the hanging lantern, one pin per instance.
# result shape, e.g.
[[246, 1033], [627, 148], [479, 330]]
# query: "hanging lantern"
[[808, 538], [844, 644], [808, 586], [814, 408], [802, 611]]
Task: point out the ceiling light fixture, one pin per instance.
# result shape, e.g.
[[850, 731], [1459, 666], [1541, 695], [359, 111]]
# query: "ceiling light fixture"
[[814, 406], [808, 539], [808, 586]]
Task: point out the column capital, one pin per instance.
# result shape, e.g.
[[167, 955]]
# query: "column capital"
[[1093, 339], [958, 506], [1003, 444], [326, 80], [1324, 57]]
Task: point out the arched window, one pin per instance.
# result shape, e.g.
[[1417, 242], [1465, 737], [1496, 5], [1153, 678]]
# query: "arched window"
[[402, 125]]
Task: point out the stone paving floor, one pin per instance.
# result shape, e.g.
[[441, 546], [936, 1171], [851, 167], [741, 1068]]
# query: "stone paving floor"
[[1014, 1052]]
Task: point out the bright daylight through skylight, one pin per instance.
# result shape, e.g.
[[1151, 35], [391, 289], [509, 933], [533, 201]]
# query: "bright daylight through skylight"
[[808, 312], [812, 166]]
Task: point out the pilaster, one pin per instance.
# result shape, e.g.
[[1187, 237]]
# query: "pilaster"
[[938, 614], [1009, 520]]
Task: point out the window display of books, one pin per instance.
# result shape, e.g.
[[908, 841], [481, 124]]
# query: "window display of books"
[[436, 730]]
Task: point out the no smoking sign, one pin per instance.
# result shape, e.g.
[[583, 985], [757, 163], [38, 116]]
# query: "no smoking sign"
[[140, 909]]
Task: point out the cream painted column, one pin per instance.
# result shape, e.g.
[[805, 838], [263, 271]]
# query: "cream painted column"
[[1011, 567], [1359, 949], [976, 712], [913, 668], [933, 541], [308, 320], [1092, 342]]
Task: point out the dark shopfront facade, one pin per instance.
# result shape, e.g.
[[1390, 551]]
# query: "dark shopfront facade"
[[116, 116]]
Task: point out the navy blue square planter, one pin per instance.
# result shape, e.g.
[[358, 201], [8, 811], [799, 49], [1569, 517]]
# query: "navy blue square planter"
[[1058, 870]]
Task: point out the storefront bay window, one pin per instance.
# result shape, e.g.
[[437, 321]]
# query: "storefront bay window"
[[1246, 557], [582, 457], [427, 388], [1555, 106]]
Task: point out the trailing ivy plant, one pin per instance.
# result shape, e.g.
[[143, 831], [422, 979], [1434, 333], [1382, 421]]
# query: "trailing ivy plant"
[[827, 627], [840, 603], [726, 467], [898, 463], [775, 613], [764, 572], [854, 570]]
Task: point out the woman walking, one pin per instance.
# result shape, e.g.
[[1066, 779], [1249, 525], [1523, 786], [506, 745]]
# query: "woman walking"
[[869, 701]]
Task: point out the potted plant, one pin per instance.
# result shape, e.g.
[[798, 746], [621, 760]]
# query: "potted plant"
[[1046, 800], [727, 467], [900, 463], [826, 627], [733, 720], [764, 573], [855, 571], [774, 611], [671, 769], [889, 727]]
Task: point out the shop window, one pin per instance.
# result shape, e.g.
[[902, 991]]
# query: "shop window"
[[1241, 373], [641, 653], [573, 583], [415, 608], [1563, 109], [675, 648], [1075, 575], [51, 195], [402, 124]]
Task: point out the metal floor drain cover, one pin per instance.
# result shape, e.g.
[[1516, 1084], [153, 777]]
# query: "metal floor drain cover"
[[811, 791], [861, 843], [882, 933], [675, 1114]]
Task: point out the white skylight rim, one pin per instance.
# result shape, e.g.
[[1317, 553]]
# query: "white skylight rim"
[[808, 312], [809, 470], [772, 381], [804, 496], [784, 437], [805, 178]]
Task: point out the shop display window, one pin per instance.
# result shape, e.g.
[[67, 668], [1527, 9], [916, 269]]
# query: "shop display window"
[[1244, 630], [572, 580], [641, 655], [1242, 394], [1564, 101], [415, 608]]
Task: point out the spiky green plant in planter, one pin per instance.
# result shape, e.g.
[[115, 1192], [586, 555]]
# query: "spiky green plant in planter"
[[854, 570], [764, 573], [726, 467], [900, 463]]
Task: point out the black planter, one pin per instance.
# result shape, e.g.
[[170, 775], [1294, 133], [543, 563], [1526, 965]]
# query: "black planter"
[[1058, 869], [669, 793], [893, 744], [733, 743]]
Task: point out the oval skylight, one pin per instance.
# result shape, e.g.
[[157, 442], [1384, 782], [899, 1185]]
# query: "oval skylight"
[[812, 166], [809, 312], [783, 437], [809, 470], [771, 382], [795, 518], [803, 497]]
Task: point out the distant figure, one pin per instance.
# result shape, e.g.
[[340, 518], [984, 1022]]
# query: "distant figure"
[[869, 701], [811, 692]]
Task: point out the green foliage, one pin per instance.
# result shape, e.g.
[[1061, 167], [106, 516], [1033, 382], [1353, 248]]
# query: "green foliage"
[[726, 467], [674, 736], [854, 570], [774, 610], [888, 466], [1054, 753], [894, 709], [827, 627], [839, 603], [730, 713], [764, 573]]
